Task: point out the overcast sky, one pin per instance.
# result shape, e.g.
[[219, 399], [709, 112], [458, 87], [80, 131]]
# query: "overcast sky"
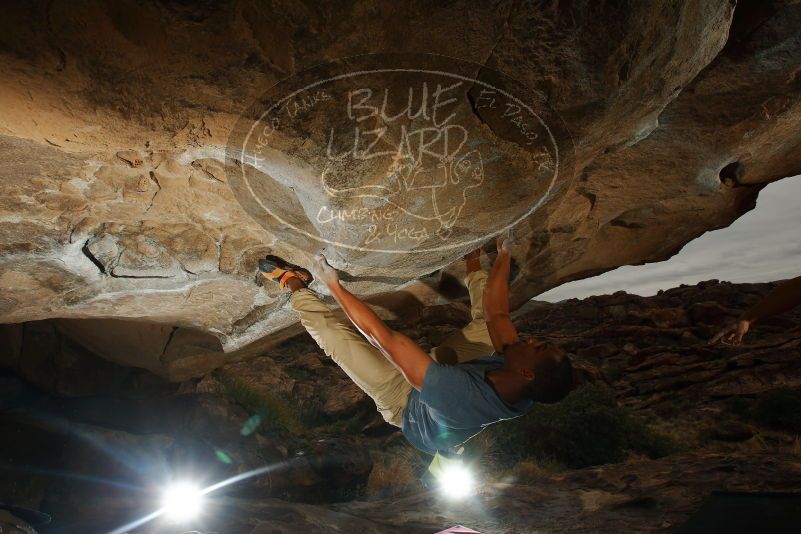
[[762, 245]]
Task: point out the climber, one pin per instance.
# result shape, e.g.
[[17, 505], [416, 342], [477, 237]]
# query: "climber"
[[782, 298], [497, 374]]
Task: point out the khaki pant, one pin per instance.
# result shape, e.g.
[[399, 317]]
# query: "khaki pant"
[[368, 368]]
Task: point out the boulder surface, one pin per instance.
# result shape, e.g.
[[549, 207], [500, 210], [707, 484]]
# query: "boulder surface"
[[146, 167]]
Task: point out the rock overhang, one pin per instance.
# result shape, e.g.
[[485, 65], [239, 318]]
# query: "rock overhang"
[[118, 200]]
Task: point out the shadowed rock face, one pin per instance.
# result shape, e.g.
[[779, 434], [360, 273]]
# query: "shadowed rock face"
[[122, 197]]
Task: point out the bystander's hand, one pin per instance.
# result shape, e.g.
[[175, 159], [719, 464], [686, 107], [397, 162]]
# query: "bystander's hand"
[[732, 334]]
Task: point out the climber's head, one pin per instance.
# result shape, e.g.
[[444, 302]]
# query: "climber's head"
[[542, 369]]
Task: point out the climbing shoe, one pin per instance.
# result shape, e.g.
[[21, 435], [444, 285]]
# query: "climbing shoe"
[[278, 270]]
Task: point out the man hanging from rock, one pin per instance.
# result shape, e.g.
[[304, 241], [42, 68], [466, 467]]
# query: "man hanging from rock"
[[438, 406]]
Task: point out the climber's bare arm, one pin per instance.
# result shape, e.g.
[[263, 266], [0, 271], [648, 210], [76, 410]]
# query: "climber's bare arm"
[[496, 299], [405, 353]]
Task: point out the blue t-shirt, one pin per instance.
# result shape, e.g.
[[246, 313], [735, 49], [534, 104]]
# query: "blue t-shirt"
[[454, 404]]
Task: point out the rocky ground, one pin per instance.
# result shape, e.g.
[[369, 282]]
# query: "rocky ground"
[[90, 441]]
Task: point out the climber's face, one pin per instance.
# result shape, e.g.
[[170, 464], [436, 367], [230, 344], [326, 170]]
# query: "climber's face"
[[541, 370], [525, 356]]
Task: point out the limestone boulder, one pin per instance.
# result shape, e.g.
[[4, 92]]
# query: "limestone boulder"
[[123, 197]]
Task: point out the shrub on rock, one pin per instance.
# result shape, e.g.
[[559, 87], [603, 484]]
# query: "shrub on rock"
[[587, 428]]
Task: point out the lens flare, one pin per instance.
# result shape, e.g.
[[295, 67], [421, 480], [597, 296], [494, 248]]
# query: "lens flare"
[[182, 501], [185, 500], [456, 482]]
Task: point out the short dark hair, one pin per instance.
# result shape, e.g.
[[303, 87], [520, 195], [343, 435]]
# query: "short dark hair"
[[553, 379]]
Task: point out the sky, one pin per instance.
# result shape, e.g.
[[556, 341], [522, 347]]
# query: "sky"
[[763, 245]]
